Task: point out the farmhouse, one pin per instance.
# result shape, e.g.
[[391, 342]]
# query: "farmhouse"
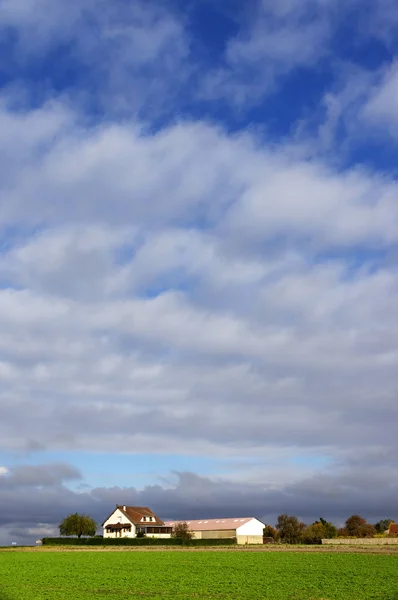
[[128, 521], [393, 530], [246, 530]]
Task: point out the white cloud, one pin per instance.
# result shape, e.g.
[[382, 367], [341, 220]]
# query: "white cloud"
[[278, 39], [195, 291], [46, 17], [202, 174], [125, 53], [363, 106], [381, 106], [43, 530], [49, 22], [307, 201], [47, 261], [274, 40]]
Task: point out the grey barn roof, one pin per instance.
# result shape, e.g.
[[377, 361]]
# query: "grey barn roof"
[[213, 524]]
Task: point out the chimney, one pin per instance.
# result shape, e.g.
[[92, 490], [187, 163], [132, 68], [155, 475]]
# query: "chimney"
[[124, 508]]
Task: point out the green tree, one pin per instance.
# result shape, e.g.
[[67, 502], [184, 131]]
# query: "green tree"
[[313, 534], [368, 531], [181, 532], [330, 529], [319, 530], [290, 529], [78, 525], [356, 526], [382, 525], [270, 532]]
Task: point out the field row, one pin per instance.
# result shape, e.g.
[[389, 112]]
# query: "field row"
[[186, 575]]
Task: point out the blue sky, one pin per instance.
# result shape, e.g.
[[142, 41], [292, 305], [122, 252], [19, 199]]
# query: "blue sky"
[[198, 259]]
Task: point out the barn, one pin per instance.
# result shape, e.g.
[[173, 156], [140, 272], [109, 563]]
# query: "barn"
[[247, 530]]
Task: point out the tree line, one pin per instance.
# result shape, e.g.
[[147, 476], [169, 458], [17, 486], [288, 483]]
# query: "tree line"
[[289, 530]]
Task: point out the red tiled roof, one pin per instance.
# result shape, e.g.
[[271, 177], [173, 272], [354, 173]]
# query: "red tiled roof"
[[393, 528], [136, 513], [118, 525]]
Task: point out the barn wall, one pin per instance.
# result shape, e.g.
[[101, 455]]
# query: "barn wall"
[[221, 534], [212, 535], [249, 539]]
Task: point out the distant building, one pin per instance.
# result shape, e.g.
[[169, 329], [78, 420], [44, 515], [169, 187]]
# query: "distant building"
[[246, 530], [128, 521], [393, 529]]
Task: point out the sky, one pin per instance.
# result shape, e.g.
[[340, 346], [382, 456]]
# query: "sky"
[[198, 260]]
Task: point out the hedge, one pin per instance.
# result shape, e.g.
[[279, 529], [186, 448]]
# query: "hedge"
[[95, 541]]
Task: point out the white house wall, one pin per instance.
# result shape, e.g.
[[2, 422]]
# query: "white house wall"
[[252, 527], [118, 517]]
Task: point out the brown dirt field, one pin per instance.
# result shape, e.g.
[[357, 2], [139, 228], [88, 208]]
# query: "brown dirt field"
[[267, 548]]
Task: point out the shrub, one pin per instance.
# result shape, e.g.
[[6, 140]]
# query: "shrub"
[[146, 541], [140, 534], [181, 532], [270, 532]]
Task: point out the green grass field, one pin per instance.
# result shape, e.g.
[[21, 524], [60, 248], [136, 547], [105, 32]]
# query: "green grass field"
[[197, 574]]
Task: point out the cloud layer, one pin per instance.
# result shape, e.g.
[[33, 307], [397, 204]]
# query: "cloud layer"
[[189, 496]]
